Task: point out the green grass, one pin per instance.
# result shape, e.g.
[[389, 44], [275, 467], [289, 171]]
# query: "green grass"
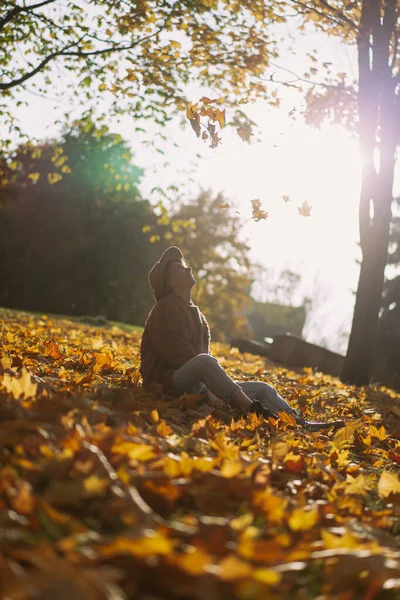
[[84, 319]]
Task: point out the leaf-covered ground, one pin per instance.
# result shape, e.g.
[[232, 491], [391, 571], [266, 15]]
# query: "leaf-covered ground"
[[107, 491]]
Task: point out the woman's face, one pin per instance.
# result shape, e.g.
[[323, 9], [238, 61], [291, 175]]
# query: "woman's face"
[[179, 276]]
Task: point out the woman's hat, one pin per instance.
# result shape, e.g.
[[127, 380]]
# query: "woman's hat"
[[157, 273]]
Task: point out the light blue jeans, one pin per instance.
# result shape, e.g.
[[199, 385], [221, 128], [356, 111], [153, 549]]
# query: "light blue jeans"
[[204, 372]]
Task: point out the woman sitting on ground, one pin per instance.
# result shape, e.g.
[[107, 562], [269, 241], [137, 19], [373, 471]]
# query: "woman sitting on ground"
[[175, 348]]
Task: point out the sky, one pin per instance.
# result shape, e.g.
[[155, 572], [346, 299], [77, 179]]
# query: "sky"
[[289, 158]]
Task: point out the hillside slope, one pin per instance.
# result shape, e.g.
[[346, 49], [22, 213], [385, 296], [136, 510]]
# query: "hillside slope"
[[109, 491]]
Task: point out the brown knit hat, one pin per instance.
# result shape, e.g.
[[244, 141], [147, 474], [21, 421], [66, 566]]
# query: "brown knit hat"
[[157, 273]]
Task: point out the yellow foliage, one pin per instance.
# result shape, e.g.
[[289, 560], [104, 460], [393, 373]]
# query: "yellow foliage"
[[95, 465], [303, 519], [389, 483]]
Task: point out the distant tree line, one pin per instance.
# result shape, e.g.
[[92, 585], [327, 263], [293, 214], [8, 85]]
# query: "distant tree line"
[[77, 238]]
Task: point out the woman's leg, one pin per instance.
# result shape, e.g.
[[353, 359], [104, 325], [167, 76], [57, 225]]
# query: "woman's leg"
[[205, 371], [267, 395]]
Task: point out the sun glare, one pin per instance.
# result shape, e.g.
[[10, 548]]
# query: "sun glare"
[[321, 168]]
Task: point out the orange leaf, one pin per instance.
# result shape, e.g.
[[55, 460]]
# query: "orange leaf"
[[294, 462], [163, 429], [231, 568], [153, 543], [206, 100], [194, 561]]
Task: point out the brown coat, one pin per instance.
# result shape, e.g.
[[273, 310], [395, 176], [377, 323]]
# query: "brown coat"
[[170, 338]]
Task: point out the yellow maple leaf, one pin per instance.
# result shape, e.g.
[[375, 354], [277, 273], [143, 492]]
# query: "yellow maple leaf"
[[343, 458], [134, 450], [22, 386], [389, 483], [380, 433], [359, 485], [302, 519], [203, 463], [230, 468], [332, 541], [345, 435]]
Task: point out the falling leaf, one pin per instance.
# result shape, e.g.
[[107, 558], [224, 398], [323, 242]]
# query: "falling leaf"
[[191, 111], [206, 100], [220, 117], [215, 140], [195, 124], [257, 212], [286, 198], [304, 209], [245, 132]]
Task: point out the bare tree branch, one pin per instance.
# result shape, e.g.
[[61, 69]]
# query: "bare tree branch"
[[78, 53], [19, 9], [310, 82]]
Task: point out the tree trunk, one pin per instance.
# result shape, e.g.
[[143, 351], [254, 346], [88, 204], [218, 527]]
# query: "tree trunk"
[[378, 120], [357, 368]]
